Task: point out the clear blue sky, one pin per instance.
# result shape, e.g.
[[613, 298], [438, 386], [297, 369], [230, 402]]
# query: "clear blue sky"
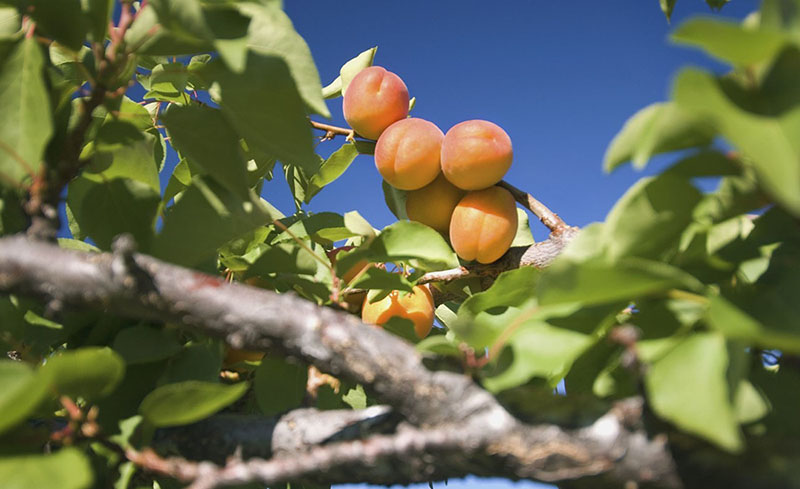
[[560, 77]]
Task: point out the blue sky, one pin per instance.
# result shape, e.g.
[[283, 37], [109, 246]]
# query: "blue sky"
[[560, 77]]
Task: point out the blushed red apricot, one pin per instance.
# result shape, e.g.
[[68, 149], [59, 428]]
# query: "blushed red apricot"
[[407, 154], [416, 306], [476, 154], [484, 224], [433, 204], [374, 100]]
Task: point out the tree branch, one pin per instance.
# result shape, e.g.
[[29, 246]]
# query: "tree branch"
[[454, 422]]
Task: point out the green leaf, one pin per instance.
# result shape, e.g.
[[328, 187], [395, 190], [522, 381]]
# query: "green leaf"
[[666, 7], [657, 128], [597, 281], [359, 226], [107, 208], [89, 372], [730, 41], [187, 402], [380, 279], [323, 228], [395, 200], [62, 21], [737, 324], [750, 404], [26, 127], [168, 79], [350, 69], [21, 391], [98, 13], [198, 361], [279, 385], [688, 387], [271, 33], [283, 258], [10, 21], [12, 216], [203, 135], [67, 468], [768, 142], [223, 215], [143, 344], [648, 220], [122, 150], [331, 169], [513, 288], [356, 398], [524, 237], [264, 106]]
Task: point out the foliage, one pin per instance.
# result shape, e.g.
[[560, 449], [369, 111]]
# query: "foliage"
[[708, 280]]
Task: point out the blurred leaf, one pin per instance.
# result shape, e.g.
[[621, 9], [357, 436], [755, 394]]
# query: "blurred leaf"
[[203, 134], [512, 289], [279, 385], [61, 21], [380, 279], [26, 127], [283, 258], [650, 208], [730, 41], [322, 227], [89, 372], [122, 150], [12, 216], [98, 13], [358, 225], [768, 142], [186, 402], [265, 108], [331, 169], [666, 7], [205, 218], [688, 387], [440, 345], [706, 163], [197, 361], [107, 208], [749, 403], [67, 468], [143, 344], [737, 324], [10, 21], [658, 128], [271, 33], [21, 391]]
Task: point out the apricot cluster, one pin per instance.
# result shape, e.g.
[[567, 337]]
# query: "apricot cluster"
[[449, 178]]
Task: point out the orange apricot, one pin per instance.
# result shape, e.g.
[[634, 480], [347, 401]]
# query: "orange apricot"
[[374, 100], [407, 154], [416, 306], [351, 273], [476, 154], [484, 224], [433, 204]]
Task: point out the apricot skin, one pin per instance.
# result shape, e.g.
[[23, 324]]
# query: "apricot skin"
[[476, 154], [374, 100], [434, 203], [407, 154], [484, 224], [416, 306]]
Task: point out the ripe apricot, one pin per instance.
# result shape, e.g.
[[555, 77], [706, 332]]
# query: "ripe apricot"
[[416, 306], [374, 100], [476, 154], [407, 154], [433, 204], [484, 224]]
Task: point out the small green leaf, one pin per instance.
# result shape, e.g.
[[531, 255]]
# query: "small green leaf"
[[737, 324], [730, 41], [197, 361], [331, 169], [62, 21], [187, 402], [143, 344], [688, 387], [283, 258], [279, 385], [26, 126], [380, 279], [356, 398], [358, 225], [657, 128], [323, 227], [667, 6], [21, 391], [89, 372], [524, 237], [98, 13], [350, 69], [67, 468], [395, 200]]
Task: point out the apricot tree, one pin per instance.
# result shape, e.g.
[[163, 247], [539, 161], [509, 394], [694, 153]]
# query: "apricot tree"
[[673, 324]]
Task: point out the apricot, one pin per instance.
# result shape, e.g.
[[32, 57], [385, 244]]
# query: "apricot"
[[374, 100], [433, 204], [484, 224], [407, 154], [476, 154], [351, 273], [416, 306]]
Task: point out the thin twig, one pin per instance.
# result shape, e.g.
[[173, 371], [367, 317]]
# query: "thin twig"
[[548, 217]]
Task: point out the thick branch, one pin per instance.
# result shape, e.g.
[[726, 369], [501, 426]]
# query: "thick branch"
[[455, 423]]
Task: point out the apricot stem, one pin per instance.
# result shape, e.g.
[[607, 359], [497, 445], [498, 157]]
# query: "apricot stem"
[[548, 217]]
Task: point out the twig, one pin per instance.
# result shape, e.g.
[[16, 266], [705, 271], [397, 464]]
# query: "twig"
[[331, 131], [548, 217]]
